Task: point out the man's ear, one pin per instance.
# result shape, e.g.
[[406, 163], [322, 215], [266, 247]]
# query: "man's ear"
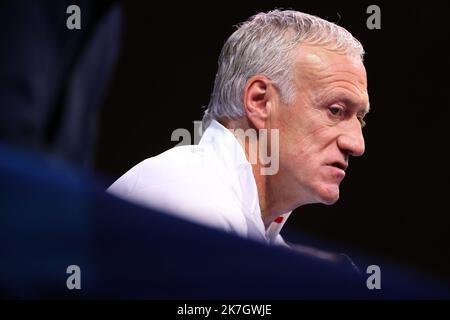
[[258, 95]]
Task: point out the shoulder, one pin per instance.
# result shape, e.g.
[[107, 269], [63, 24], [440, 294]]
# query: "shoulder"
[[163, 168], [185, 181]]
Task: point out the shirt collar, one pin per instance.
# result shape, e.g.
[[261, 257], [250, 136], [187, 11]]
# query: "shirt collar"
[[239, 172], [225, 145]]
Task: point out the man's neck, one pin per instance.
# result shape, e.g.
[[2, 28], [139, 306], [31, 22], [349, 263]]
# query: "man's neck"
[[267, 191], [261, 185]]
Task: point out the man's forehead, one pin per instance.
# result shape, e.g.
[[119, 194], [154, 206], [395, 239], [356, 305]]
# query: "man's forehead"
[[317, 65], [313, 59], [320, 59]]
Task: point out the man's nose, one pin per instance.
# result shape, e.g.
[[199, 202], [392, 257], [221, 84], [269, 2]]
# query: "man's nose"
[[351, 140]]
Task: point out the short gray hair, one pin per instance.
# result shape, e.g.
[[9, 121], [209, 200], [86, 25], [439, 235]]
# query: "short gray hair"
[[264, 45]]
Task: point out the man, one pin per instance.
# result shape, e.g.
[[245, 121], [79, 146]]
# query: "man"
[[290, 88]]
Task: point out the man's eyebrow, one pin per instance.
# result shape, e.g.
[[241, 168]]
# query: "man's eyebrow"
[[362, 108], [365, 110]]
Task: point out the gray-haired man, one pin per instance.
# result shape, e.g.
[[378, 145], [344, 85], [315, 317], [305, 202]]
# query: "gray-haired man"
[[299, 84]]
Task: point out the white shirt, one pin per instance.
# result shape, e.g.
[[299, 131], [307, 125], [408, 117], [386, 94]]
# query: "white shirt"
[[211, 183]]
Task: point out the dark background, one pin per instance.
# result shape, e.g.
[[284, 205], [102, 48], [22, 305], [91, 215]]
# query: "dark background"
[[394, 200]]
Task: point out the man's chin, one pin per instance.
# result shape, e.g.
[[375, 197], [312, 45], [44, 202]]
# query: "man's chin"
[[330, 201], [329, 194]]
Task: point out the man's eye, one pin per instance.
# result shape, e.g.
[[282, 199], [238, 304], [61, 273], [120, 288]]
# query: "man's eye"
[[363, 123], [336, 110]]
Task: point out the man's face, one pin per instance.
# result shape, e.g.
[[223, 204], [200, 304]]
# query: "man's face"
[[322, 127]]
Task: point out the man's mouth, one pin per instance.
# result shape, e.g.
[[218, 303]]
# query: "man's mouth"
[[339, 164]]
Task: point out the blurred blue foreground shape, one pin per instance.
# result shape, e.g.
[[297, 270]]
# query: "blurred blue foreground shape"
[[52, 217]]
